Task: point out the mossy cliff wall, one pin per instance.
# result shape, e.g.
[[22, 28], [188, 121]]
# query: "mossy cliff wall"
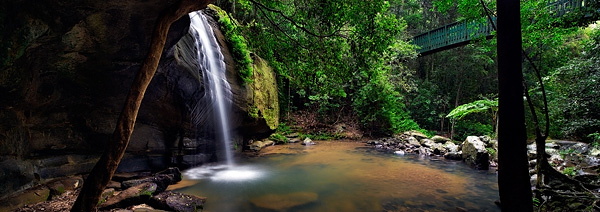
[[253, 82]]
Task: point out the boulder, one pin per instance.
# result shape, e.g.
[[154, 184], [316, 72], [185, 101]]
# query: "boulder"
[[413, 141], [132, 196], [174, 171], [453, 156], [451, 146], [308, 142], [427, 142], [415, 134], [474, 153], [440, 139], [438, 149], [486, 140], [258, 145], [425, 151], [399, 152], [284, 202], [162, 181], [173, 201], [595, 151]]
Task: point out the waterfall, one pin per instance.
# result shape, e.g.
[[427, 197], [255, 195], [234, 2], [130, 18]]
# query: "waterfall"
[[217, 91]]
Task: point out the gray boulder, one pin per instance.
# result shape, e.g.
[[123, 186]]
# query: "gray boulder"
[[416, 134], [475, 154], [308, 142], [453, 155], [438, 149], [427, 142], [451, 146], [440, 139], [258, 145], [413, 141]]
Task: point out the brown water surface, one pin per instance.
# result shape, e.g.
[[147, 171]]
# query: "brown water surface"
[[343, 176]]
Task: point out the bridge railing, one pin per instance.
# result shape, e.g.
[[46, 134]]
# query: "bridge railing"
[[452, 34], [561, 7], [462, 32]]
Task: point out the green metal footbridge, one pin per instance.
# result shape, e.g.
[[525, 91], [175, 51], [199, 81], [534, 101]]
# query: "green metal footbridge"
[[462, 32]]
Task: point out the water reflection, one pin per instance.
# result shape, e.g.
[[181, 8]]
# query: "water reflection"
[[346, 177]]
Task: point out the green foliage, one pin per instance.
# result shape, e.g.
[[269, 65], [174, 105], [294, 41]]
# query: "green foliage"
[[427, 105], [574, 94], [253, 111], [478, 106], [570, 171], [239, 47], [567, 152], [278, 138], [595, 139], [536, 202], [492, 151], [468, 128], [326, 53], [283, 128], [381, 108]]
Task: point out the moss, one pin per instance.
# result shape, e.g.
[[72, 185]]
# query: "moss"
[[265, 98], [278, 138], [238, 44], [253, 111]]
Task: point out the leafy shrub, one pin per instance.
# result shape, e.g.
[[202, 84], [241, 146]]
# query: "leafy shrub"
[[492, 151], [427, 104], [569, 171], [278, 138], [462, 129], [283, 128], [380, 107], [239, 47], [574, 94]]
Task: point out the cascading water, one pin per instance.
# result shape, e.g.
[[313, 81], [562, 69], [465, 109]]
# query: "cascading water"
[[217, 90], [218, 94]]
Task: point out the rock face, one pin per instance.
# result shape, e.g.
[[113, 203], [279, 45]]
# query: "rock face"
[[263, 98], [474, 153], [256, 104], [65, 70]]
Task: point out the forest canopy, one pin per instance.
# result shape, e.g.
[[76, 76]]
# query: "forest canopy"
[[354, 60]]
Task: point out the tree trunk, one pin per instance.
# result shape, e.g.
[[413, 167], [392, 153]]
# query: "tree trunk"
[[104, 169], [513, 171], [453, 121]]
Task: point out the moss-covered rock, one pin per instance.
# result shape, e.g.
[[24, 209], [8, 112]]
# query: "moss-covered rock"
[[253, 81], [264, 93]]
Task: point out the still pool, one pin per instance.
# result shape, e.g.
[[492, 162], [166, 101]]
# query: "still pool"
[[341, 176]]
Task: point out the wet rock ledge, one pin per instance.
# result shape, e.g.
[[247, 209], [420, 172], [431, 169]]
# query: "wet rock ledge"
[[477, 151], [127, 192]]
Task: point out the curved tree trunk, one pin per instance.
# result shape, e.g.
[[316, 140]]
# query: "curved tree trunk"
[[104, 169]]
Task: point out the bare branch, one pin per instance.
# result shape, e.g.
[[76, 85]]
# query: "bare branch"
[[304, 29]]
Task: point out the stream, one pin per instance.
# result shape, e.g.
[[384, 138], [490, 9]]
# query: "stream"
[[341, 176]]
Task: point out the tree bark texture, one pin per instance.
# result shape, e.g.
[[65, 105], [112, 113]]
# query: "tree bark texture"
[[104, 169], [513, 171]]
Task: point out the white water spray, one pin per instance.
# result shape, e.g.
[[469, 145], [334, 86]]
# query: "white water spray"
[[210, 62]]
